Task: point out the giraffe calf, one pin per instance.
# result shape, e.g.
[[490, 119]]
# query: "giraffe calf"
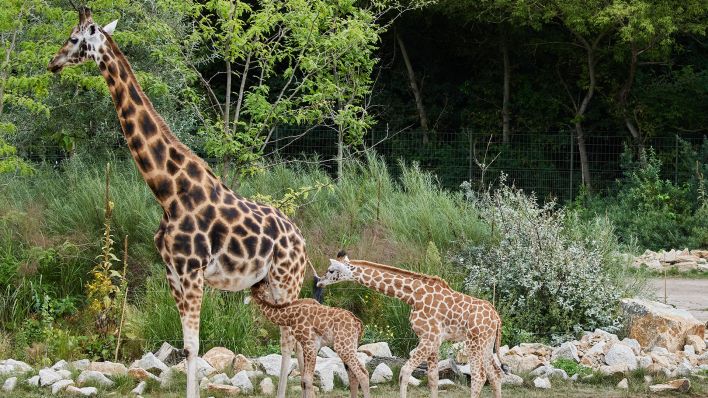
[[313, 325]]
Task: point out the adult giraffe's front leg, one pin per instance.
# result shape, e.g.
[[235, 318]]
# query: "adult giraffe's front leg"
[[422, 352], [187, 291]]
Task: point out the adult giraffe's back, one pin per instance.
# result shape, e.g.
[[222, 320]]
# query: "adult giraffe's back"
[[208, 234]]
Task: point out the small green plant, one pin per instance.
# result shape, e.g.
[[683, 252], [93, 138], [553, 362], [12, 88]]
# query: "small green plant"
[[571, 367]]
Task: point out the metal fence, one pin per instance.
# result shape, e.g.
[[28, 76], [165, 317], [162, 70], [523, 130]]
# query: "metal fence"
[[546, 163]]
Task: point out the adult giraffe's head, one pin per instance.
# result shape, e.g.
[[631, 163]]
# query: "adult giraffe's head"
[[85, 42], [339, 270]]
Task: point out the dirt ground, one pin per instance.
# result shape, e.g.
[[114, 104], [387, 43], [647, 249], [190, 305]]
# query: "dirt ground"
[[689, 294]]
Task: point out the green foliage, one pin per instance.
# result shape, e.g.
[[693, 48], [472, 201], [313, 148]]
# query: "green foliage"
[[550, 274], [571, 367], [653, 210]]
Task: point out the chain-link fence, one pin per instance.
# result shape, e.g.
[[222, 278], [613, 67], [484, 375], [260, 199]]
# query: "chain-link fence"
[[547, 163]]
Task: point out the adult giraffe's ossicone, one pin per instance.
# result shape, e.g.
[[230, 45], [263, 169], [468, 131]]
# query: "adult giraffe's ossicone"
[[208, 234]]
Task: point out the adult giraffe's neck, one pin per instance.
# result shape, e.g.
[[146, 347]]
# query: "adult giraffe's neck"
[[387, 280], [158, 154]]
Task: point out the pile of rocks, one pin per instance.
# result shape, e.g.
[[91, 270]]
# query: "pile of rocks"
[[662, 340], [682, 260]]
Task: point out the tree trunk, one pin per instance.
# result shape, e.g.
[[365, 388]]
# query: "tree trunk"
[[506, 131], [226, 120], [582, 109], [623, 100], [416, 90]]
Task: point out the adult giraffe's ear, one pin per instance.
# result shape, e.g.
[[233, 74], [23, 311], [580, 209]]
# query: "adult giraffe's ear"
[[110, 27]]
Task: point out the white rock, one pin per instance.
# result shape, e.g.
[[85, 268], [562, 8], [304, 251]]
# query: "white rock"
[[445, 383], [81, 364], [598, 348], [623, 384], [325, 369], [267, 387], [380, 349], [10, 366], [363, 357], [633, 344], [61, 385], [621, 354], [140, 388], [699, 344], [542, 382], [574, 377], [9, 384], [224, 389], [141, 374], [609, 370], [168, 354], [94, 377], [86, 391], [684, 369], [271, 364], [204, 383], [64, 373], [47, 377], [109, 368], [660, 351], [150, 363], [166, 377], [656, 324], [566, 350], [61, 365], [220, 358], [512, 379], [645, 361], [242, 381], [240, 363], [254, 373], [606, 336], [413, 381], [203, 368], [689, 350], [33, 381], [326, 352], [382, 374]]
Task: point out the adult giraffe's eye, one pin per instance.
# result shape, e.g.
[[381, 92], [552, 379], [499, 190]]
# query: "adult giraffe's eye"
[[74, 40]]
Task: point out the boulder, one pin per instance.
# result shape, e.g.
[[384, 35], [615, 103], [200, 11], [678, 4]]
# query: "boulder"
[[680, 385], [444, 384], [9, 384], [521, 364], [699, 345], [382, 374], [33, 381], [61, 365], [537, 349], [140, 388], [620, 354], [242, 381], [203, 368], [223, 389], [150, 363], [61, 385], [566, 350], [271, 364], [93, 377], [141, 374], [47, 377], [380, 349], [609, 370], [81, 364], [219, 358], [242, 363], [10, 366], [169, 355], [412, 381], [326, 352], [645, 361], [542, 382], [220, 378], [109, 368], [326, 368], [86, 391], [655, 324], [633, 344], [512, 379], [684, 369], [623, 384], [267, 387]]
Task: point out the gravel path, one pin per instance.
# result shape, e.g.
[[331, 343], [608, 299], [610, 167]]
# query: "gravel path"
[[689, 294]]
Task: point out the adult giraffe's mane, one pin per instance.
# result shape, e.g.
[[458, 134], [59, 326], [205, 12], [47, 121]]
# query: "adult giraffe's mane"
[[400, 271], [162, 126]]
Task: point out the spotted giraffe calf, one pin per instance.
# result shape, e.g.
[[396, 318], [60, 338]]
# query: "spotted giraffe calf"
[[313, 325], [438, 314]]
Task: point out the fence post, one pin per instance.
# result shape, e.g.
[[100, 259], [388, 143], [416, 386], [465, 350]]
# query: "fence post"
[[572, 152]]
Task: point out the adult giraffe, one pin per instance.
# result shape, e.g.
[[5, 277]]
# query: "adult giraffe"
[[207, 234]]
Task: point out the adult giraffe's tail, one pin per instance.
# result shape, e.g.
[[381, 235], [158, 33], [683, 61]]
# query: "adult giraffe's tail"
[[497, 343]]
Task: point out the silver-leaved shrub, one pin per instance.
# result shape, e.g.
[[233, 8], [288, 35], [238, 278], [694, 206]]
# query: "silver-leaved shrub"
[[549, 274]]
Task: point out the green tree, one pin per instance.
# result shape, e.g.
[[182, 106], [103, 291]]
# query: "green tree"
[[285, 63]]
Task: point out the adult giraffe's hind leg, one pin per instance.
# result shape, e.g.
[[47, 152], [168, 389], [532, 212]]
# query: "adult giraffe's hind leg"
[[433, 374], [492, 371]]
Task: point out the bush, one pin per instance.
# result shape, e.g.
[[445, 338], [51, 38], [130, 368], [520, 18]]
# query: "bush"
[[550, 274]]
